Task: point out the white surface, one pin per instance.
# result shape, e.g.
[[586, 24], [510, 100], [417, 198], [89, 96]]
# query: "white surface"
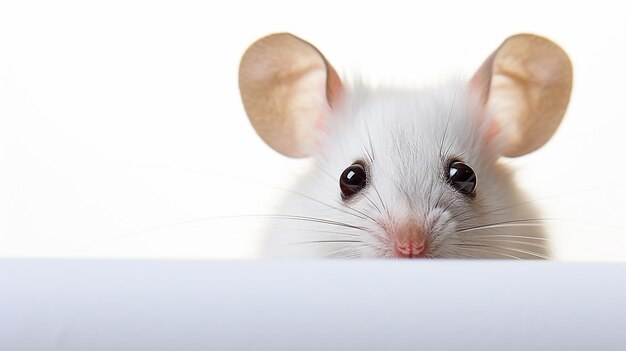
[[368, 305], [121, 124]]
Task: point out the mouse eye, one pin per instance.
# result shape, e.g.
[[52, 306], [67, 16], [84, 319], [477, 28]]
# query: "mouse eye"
[[462, 177], [352, 180]]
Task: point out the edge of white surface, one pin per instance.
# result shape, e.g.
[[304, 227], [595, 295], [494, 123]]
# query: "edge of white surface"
[[274, 305]]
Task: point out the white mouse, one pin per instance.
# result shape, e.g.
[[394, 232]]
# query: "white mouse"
[[405, 173]]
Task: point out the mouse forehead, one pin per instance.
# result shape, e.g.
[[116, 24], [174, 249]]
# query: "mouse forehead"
[[400, 136], [398, 127]]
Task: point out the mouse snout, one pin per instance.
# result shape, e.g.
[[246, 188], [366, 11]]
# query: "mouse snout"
[[409, 240]]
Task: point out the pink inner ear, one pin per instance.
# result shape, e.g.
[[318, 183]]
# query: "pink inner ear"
[[480, 83], [493, 132], [320, 128], [486, 123], [479, 90], [334, 87], [334, 96], [320, 124]]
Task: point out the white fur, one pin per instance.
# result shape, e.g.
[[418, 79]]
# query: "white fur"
[[399, 134]]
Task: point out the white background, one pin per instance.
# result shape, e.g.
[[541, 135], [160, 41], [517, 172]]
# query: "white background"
[[122, 132]]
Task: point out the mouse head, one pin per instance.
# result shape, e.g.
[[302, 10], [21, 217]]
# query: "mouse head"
[[419, 167]]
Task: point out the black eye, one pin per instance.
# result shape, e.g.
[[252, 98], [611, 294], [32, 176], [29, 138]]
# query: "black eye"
[[352, 180], [462, 177]]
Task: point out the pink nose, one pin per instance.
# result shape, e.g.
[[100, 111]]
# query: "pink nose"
[[410, 241]]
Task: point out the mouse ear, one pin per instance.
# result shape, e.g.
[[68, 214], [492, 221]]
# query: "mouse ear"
[[525, 85], [287, 88]]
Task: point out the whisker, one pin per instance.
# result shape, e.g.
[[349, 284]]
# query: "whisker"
[[326, 255], [369, 137], [307, 196], [365, 149], [543, 246], [335, 252], [440, 197], [382, 203], [466, 256], [458, 255], [320, 202], [509, 236], [465, 247], [463, 216], [253, 216], [298, 230], [324, 242], [316, 164], [532, 253], [569, 193], [312, 198], [363, 213], [445, 131], [372, 202], [339, 209], [511, 223], [310, 219]]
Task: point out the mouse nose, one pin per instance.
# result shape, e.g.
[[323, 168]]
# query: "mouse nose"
[[410, 241]]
